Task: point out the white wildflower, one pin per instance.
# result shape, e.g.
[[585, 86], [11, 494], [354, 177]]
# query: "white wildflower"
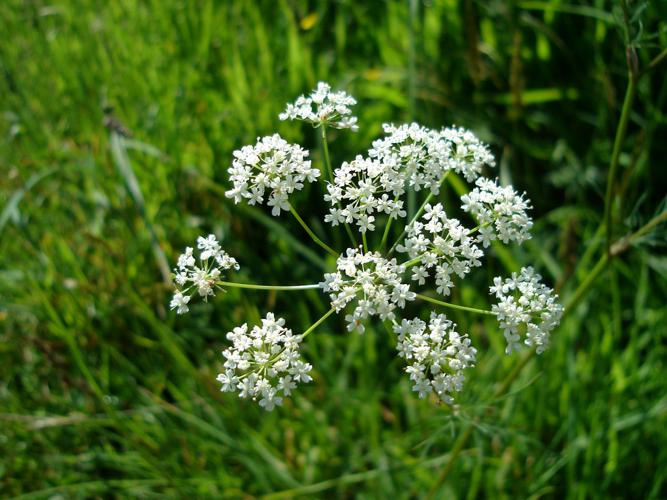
[[500, 212], [323, 107], [416, 155], [442, 246], [469, 154], [363, 187], [436, 355], [272, 165], [525, 307], [409, 157], [368, 281], [203, 278], [264, 363]]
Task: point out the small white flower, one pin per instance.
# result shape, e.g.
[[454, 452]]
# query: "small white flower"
[[436, 355], [526, 306], [180, 303], [271, 166], [323, 107], [500, 212], [202, 278], [441, 244], [368, 281], [264, 362]]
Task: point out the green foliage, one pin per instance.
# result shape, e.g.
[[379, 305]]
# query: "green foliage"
[[104, 393]]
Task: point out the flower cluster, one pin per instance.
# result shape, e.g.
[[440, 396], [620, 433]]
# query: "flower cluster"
[[361, 188], [323, 107], [264, 362], [416, 156], [272, 165], [468, 153], [204, 277], [371, 282], [441, 244], [500, 212], [527, 306], [436, 355], [408, 157]]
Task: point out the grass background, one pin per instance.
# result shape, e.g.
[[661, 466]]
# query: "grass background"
[[104, 393]]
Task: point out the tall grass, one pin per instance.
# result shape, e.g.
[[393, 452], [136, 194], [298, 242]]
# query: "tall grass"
[[117, 122]]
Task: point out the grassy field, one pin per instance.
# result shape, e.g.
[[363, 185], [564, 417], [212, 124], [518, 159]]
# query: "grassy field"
[[105, 393]]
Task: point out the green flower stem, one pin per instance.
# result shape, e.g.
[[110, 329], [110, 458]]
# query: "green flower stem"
[[616, 153], [413, 262], [417, 215], [363, 237], [318, 323], [455, 306], [329, 250], [327, 162], [385, 235], [325, 148], [230, 284]]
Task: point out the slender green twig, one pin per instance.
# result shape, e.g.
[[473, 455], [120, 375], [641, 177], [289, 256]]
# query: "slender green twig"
[[417, 215], [387, 227], [231, 284], [325, 148], [385, 235], [318, 322], [455, 306], [655, 62], [363, 237], [312, 235], [413, 262]]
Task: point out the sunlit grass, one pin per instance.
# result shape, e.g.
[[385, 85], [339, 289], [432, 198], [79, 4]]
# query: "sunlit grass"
[[104, 392]]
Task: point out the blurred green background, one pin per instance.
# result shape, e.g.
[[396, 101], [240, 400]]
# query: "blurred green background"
[[104, 393]]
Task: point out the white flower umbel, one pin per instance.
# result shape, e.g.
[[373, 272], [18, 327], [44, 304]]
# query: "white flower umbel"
[[264, 362], [468, 153], [525, 307], [500, 212], [416, 155], [361, 188], [201, 277], [436, 355], [441, 245], [323, 107], [409, 157], [272, 165], [368, 281]]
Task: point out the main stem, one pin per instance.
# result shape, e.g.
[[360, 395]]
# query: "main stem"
[[313, 236], [231, 284], [616, 153], [455, 306], [327, 162]]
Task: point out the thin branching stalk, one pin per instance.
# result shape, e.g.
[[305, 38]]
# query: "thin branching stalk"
[[318, 322], [455, 306], [310, 232], [417, 215], [286, 288]]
